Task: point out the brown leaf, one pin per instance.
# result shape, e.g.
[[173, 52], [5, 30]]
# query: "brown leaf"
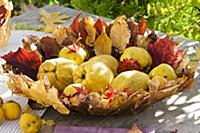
[[59, 33], [100, 26], [82, 30], [27, 62], [120, 33], [103, 44], [50, 47]]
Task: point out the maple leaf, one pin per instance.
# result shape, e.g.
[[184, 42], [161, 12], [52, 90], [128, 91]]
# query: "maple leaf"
[[100, 26], [51, 19], [120, 33], [27, 62], [103, 44]]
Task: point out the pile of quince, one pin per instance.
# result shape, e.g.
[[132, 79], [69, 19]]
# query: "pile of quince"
[[98, 66]]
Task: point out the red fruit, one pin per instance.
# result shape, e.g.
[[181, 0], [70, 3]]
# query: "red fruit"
[[165, 51], [128, 64]]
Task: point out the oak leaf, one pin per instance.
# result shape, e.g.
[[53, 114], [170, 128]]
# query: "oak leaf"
[[51, 19], [120, 33], [103, 44]]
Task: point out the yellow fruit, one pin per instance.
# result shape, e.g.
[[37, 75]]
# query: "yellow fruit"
[[1, 115], [133, 79], [70, 90], [108, 60], [95, 76], [59, 72], [30, 123], [139, 54], [76, 56], [163, 70], [12, 110]]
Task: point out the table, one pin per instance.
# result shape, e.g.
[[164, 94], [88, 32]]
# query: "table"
[[181, 111]]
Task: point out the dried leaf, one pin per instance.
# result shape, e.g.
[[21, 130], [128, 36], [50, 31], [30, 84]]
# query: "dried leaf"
[[49, 123], [142, 26], [103, 44], [82, 30], [75, 24], [120, 33], [91, 31], [50, 47], [39, 91], [100, 26], [27, 109], [59, 33], [27, 62], [51, 19]]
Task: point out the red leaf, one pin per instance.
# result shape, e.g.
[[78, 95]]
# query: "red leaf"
[[100, 26], [110, 93], [165, 51], [142, 26], [128, 64], [75, 24], [27, 62]]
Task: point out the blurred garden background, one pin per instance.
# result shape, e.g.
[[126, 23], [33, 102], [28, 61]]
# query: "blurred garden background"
[[177, 17]]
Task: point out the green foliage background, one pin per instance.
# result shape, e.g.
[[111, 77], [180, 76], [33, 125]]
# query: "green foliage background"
[[179, 17]]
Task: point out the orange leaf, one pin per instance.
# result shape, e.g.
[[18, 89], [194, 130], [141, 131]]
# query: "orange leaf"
[[142, 26], [75, 24]]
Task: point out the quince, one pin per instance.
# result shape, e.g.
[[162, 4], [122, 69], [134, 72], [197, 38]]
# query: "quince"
[[77, 55], [30, 123], [59, 72], [138, 54], [95, 76], [1, 115], [70, 90], [163, 70], [132, 79], [12, 110], [108, 60]]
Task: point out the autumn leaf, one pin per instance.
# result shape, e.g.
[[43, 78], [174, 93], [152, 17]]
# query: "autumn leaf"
[[39, 91], [103, 44], [120, 33], [142, 26], [51, 19], [75, 24], [50, 47], [27, 62], [91, 31], [100, 26]]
